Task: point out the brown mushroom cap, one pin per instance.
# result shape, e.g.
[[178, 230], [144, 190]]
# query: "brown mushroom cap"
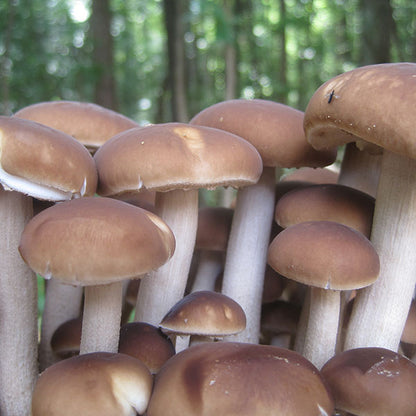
[[372, 381], [205, 313], [35, 154], [171, 156], [214, 224], [329, 202], [66, 339], [324, 254], [90, 124], [230, 378], [270, 127], [373, 103], [94, 240], [146, 343], [93, 384]]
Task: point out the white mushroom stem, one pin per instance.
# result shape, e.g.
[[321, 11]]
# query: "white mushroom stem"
[[18, 309], [161, 289], [62, 303], [210, 265], [246, 257], [360, 169], [322, 329], [380, 311], [101, 318]]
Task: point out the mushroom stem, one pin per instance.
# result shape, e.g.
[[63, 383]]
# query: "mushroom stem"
[[246, 256], [58, 309], [209, 268], [18, 310], [161, 289], [322, 329], [380, 311], [101, 318]]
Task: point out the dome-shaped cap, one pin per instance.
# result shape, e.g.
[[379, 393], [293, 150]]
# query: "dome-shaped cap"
[[90, 124], [231, 378], [169, 156], [93, 384], [205, 313], [276, 130], [373, 103], [93, 240], [43, 162], [324, 254], [372, 381]]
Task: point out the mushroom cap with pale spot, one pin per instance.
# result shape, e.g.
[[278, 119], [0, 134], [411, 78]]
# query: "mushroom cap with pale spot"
[[239, 379], [372, 381], [98, 383], [205, 313], [90, 124], [94, 240], [371, 104], [276, 130], [43, 162], [164, 157]]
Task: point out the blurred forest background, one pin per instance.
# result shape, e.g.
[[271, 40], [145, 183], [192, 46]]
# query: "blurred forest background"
[[165, 60]]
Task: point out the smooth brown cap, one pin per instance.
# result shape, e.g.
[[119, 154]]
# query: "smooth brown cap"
[[46, 158], [205, 313], [66, 339], [169, 156], [276, 130], [327, 202], [239, 379], [146, 343], [324, 254], [214, 225], [372, 381], [95, 240], [98, 383], [373, 103], [90, 124]]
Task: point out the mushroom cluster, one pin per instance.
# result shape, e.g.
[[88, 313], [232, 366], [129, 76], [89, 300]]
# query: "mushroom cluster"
[[297, 297]]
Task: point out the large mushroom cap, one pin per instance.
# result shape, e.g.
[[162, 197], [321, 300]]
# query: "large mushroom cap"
[[324, 254], [94, 240], [231, 378], [43, 162], [274, 129], [171, 156], [93, 384], [373, 103], [372, 381], [90, 124]]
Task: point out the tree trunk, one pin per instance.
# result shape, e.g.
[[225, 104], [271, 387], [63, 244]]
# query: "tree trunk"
[[377, 31], [105, 88], [173, 11]]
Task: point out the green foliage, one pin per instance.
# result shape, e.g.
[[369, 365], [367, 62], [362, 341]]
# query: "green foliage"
[[46, 52]]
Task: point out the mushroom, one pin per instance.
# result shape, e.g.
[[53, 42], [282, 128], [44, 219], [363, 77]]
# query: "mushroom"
[[90, 124], [375, 104], [214, 225], [372, 381], [175, 160], [96, 243], [329, 257], [99, 383], [235, 378], [66, 339], [146, 343], [35, 162], [276, 130], [203, 313]]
